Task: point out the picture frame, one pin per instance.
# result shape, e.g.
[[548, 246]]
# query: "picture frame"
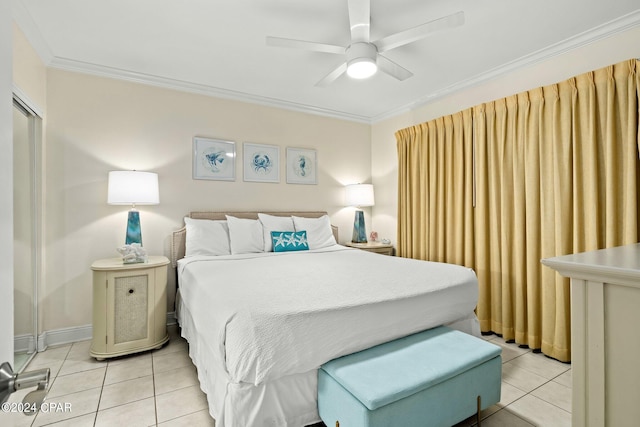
[[260, 162], [214, 159], [302, 166]]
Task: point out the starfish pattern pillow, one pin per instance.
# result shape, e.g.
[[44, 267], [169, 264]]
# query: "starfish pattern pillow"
[[285, 241]]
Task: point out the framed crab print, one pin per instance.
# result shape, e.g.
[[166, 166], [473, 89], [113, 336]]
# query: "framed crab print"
[[260, 162]]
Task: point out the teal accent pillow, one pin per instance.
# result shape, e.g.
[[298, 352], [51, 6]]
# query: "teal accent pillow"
[[284, 241]]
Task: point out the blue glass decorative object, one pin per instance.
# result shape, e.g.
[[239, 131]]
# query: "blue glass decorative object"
[[359, 230], [134, 234]]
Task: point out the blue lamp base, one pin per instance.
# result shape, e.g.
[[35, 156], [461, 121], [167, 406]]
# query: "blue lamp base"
[[134, 233], [359, 230]]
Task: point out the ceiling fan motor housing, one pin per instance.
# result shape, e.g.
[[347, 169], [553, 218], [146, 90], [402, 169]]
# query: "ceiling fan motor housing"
[[361, 59], [361, 50]]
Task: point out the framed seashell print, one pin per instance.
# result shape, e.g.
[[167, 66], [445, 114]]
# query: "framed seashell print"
[[260, 162], [302, 166], [214, 159]]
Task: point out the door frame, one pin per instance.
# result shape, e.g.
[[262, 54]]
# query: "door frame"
[[35, 135]]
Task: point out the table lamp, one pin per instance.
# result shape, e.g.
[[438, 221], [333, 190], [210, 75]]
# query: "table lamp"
[[133, 188], [359, 195]]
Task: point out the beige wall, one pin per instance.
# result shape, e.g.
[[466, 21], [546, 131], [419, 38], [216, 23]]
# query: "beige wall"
[[29, 72], [384, 159], [96, 124]]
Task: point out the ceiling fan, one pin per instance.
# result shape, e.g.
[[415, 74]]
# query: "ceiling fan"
[[364, 57]]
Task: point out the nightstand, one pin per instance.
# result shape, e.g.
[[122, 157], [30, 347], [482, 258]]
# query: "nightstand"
[[129, 306], [376, 247]]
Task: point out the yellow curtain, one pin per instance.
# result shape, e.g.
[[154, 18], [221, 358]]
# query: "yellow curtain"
[[556, 172], [437, 166]]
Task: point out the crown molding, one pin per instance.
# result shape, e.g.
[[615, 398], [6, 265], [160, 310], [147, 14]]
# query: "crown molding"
[[184, 86], [611, 28], [26, 24]]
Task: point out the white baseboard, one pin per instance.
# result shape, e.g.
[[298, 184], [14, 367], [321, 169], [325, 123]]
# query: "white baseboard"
[[24, 343], [70, 335], [171, 318], [64, 336]]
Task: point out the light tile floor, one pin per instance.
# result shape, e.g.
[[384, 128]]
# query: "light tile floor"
[[160, 388], [536, 390], [154, 388]]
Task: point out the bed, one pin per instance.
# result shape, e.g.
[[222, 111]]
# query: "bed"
[[259, 324]]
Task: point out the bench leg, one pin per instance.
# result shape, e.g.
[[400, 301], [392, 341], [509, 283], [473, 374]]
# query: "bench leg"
[[478, 413]]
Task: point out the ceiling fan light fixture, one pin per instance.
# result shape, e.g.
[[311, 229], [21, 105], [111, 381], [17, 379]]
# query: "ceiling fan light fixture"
[[361, 68], [363, 57], [361, 60]]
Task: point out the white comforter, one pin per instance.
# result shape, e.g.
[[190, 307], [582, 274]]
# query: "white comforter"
[[268, 315]]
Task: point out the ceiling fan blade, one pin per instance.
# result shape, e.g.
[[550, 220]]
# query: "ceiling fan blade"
[[359, 19], [332, 76], [301, 44], [393, 69], [419, 32]]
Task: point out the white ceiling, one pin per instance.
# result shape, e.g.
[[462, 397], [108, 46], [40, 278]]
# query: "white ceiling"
[[218, 47]]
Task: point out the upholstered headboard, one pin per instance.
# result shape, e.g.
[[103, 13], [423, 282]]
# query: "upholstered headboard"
[[178, 237]]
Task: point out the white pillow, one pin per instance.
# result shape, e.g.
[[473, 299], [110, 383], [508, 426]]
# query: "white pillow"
[[274, 223], [206, 237], [319, 234], [245, 235]]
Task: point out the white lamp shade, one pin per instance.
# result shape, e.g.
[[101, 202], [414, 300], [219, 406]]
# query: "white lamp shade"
[[359, 195], [133, 188]]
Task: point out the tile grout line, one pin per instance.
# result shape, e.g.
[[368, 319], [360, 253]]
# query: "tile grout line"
[[528, 350], [501, 409], [548, 380], [542, 385], [55, 377], [514, 413], [529, 393], [104, 379], [104, 385], [153, 380]]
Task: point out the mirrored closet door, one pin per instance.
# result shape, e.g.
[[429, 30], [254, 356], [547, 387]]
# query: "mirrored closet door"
[[26, 214]]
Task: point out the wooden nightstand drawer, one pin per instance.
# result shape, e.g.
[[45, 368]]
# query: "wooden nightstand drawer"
[[376, 247]]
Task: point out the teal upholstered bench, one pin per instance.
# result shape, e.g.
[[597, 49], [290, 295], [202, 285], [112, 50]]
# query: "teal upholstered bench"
[[437, 377]]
